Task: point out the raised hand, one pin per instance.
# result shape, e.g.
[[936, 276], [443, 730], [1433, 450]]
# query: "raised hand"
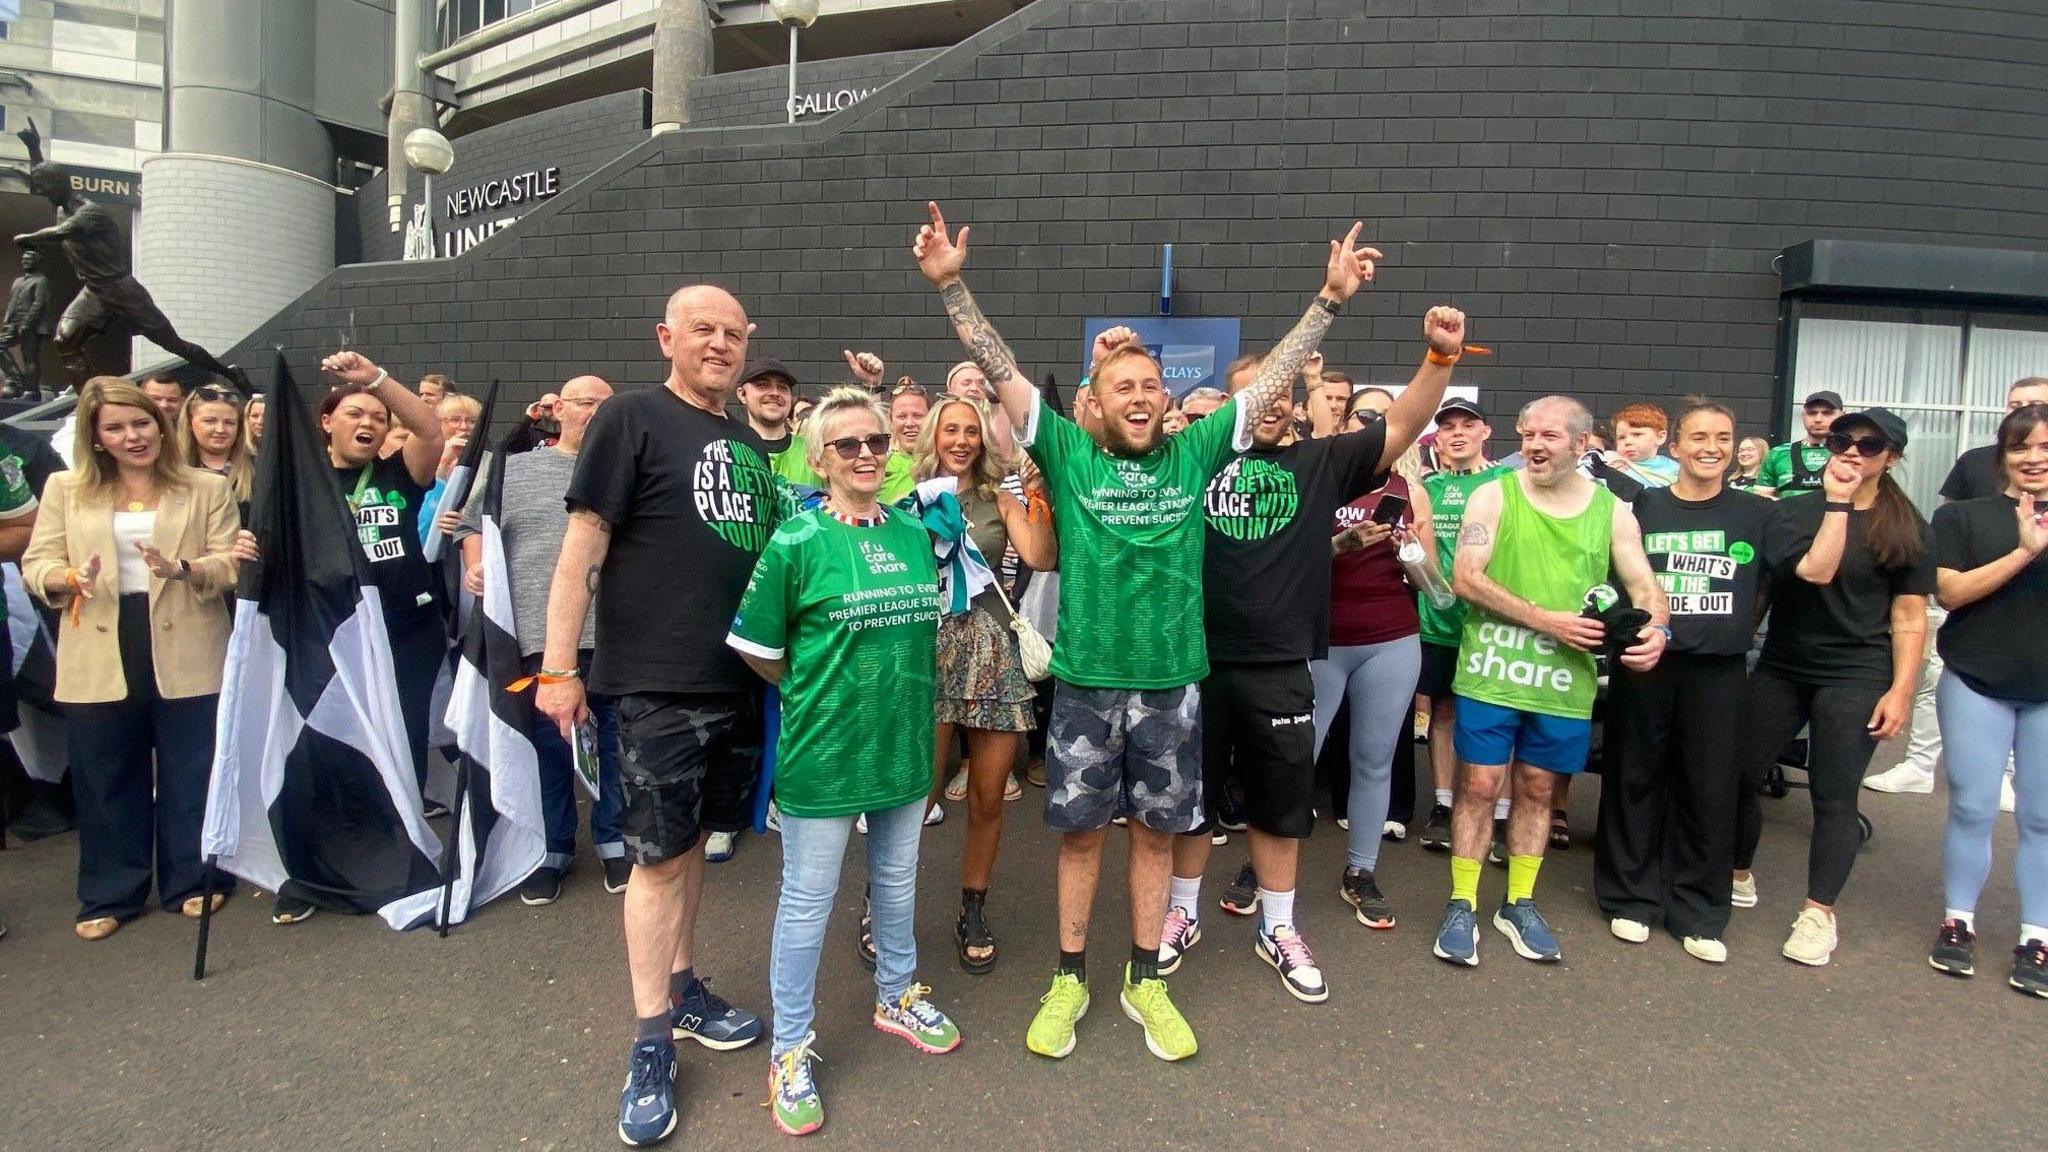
[[1312, 369], [1350, 267], [1109, 341], [351, 367], [865, 366], [1838, 483], [940, 254], [88, 576], [159, 565], [1444, 327], [2033, 534]]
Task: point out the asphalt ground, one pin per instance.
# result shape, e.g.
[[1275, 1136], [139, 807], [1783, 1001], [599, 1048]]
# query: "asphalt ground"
[[512, 1032]]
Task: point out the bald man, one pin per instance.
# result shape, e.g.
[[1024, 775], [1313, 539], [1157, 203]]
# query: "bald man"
[[670, 504]]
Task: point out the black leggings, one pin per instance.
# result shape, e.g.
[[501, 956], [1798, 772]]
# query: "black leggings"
[[1838, 750]]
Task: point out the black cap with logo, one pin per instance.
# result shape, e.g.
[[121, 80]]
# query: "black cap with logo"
[[1884, 420]]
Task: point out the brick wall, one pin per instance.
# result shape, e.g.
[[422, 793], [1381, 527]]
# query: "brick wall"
[[758, 95], [1602, 185]]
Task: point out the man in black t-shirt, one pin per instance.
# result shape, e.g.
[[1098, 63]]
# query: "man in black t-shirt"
[[671, 503], [1976, 473], [1266, 592]]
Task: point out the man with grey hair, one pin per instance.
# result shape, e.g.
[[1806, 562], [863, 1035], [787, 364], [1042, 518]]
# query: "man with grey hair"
[[1200, 402], [1532, 561]]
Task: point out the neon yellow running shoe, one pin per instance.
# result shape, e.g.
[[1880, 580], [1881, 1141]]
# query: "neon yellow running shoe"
[[1052, 1030], [1166, 1032]]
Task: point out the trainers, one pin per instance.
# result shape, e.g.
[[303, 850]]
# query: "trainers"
[[541, 888], [1180, 933], [719, 846], [792, 1093], [1457, 938], [704, 1016], [1743, 893], [1052, 1029], [617, 871], [2006, 800], [1166, 1032], [774, 819], [2030, 968], [860, 824], [917, 1020], [1241, 897], [1288, 953], [1955, 950], [1392, 830], [1497, 852], [1628, 931], [1362, 891], [1706, 948], [1813, 938], [933, 816], [1436, 831], [1034, 772], [291, 910], [647, 1106], [1218, 837], [1524, 927], [1230, 812], [1902, 779]]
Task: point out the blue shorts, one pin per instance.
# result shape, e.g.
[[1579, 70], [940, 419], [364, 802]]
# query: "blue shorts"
[[1490, 734]]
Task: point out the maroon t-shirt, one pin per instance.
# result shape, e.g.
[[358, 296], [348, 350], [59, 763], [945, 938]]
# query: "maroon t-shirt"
[[1370, 600]]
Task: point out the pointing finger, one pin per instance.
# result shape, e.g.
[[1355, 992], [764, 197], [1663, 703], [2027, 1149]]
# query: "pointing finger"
[[1351, 237], [938, 218]]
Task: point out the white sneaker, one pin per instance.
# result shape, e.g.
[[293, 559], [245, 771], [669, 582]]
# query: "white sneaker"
[[935, 815], [1902, 779], [1701, 948], [1392, 830], [2005, 800], [860, 823], [774, 818], [1743, 895], [1813, 938], [718, 847], [1628, 931]]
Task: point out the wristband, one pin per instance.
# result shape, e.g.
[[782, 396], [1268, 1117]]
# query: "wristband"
[[544, 676], [1665, 629], [1837, 506], [1442, 361], [558, 674], [382, 376], [76, 583], [1333, 307]]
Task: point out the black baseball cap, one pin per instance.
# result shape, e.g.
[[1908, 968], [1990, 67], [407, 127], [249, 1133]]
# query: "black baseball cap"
[[767, 366], [1884, 420], [1824, 400], [1454, 404]]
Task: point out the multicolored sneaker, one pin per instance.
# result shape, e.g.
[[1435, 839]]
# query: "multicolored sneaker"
[[1362, 891], [1052, 1030], [704, 1016], [647, 1106], [2030, 968], [1955, 950], [792, 1093], [916, 1019], [1241, 898], [1176, 936], [1288, 953], [1166, 1031]]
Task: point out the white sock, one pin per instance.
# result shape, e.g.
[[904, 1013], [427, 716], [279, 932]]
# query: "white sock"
[[1969, 919], [1278, 909], [1500, 807], [2032, 932], [1186, 895], [1443, 797]]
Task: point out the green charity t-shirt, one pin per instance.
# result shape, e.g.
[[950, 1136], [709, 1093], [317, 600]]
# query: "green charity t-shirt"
[[1130, 536], [855, 609], [897, 480], [1789, 478], [1552, 563], [1448, 492], [17, 499], [793, 463]]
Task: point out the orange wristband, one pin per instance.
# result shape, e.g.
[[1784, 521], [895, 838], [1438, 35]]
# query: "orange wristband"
[[77, 593], [1440, 360], [521, 684]]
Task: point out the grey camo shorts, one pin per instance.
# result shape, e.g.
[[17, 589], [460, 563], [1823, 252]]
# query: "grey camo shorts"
[[1123, 752], [691, 764]]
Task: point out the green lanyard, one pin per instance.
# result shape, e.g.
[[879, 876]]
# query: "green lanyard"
[[355, 502]]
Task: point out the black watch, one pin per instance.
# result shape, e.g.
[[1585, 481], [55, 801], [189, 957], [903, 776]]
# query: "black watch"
[[1333, 307], [1838, 506], [184, 570]]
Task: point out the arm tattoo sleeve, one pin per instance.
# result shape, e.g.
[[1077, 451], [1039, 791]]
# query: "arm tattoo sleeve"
[[984, 344], [1284, 363]]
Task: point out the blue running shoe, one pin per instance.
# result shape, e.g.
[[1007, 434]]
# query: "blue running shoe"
[[1458, 939], [647, 1108], [704, 1016], [1523, 925]]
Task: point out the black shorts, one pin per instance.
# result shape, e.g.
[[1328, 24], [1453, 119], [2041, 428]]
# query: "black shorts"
[[691, 763], [1439, 668], [1258, 725]]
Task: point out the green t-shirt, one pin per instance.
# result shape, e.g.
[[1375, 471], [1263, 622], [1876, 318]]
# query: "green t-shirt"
[[1448, 492], [897, 482], [17, 499], [1778, 471], [1552, 563], [793, 463], [1130, 536], [855, 608]]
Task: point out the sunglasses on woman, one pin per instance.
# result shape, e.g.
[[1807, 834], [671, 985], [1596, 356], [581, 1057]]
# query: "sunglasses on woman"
[[212, 394], [849, 447], [1868, 447]]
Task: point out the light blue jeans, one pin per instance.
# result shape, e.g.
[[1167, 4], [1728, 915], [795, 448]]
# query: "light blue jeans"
[[1980, 733], [812, 852]]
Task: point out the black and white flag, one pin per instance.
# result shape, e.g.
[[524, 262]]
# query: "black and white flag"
[[313, 792], [501, 838]]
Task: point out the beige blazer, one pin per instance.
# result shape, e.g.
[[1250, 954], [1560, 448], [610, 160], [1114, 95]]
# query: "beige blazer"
[[188, 630]]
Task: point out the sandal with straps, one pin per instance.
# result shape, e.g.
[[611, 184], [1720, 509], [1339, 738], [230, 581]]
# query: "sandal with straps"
[[971, 932], [866, 944]]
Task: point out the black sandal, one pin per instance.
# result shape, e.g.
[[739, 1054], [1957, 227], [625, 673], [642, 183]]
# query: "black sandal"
[[866, 944], [1560, 830], [971, 931]]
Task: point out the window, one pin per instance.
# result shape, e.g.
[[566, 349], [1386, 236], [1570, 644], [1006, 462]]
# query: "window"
[[454, 19], [1944, 372]]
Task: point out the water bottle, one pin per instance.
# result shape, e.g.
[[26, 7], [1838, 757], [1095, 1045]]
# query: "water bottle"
[[1424, 575]]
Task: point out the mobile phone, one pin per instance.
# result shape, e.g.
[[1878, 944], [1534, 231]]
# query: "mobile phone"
[[1389, 510]]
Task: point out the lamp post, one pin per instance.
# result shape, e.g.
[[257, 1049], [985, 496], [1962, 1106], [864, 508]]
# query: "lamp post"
[[794, 14], [428, 152]]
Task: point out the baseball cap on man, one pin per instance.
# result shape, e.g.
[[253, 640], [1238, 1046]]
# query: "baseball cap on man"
[[767, 366], [1884, 420], [1824, 400], [1454, 404]]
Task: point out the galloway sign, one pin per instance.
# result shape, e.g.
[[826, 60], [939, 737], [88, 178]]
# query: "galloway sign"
[[833, 100]]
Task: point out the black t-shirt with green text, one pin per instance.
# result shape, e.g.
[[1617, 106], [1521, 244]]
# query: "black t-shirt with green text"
[[386, 503]]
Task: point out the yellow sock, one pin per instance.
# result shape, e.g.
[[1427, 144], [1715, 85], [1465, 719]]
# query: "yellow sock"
[[1522, 877], [1465, 880]]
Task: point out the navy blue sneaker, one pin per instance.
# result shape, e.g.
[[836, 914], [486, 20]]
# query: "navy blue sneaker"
[[704, 1016], [1458, 939], [1523, 925], [647, 1108]]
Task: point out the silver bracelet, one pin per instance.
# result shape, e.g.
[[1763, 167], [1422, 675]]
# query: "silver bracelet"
[[382, 376]]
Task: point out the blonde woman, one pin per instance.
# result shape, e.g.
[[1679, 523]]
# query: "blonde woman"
[[135, 548], [252, 424], [210, 437], [1749, 460]]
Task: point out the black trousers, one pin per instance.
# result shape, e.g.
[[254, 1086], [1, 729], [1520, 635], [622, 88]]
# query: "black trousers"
[[419, 643], [1666, 845], [1838, 750], [139, 769]]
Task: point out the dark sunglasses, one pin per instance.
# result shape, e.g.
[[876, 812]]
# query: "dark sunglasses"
[[1868, 447], [213, 393], [849, 447]]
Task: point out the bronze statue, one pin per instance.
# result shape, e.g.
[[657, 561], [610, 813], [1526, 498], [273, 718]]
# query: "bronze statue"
[[26, 326], [111, 297]]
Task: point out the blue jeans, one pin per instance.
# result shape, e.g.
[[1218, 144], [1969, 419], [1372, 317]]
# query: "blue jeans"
[[1980, 733], [812, 852], [558, 781]]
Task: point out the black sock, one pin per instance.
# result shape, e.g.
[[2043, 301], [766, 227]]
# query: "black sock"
[[679, 983], [1144, 964], [651, 1029], [1074, 964]]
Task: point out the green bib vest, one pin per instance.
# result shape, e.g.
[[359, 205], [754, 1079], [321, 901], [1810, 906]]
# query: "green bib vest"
[[1551, 563]]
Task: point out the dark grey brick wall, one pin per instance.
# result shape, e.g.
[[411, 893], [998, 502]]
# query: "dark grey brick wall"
[[1603, 185], [758, 95]]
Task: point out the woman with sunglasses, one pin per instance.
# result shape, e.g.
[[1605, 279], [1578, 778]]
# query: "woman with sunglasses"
[[982, 691], [841, 614], [1850, 577], [1993, 697], [210, 438], [135, 549]]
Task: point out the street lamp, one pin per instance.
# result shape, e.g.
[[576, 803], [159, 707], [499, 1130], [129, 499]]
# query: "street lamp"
[[794, 14], [428, 152]]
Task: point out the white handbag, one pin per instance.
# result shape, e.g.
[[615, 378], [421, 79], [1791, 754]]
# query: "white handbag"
[[1032, 649]]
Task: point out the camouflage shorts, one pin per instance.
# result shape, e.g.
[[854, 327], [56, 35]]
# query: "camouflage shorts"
[[690, 766], [1122, 752]]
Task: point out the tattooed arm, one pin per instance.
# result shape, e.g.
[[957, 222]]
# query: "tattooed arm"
[[584, 546], [940, 256], [1350, 268], [1470, 581]]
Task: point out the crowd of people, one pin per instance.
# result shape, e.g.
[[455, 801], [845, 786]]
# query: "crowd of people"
[[900, 597]]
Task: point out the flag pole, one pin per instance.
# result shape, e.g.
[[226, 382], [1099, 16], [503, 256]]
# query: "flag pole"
[[205, 918], [448, 850]]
